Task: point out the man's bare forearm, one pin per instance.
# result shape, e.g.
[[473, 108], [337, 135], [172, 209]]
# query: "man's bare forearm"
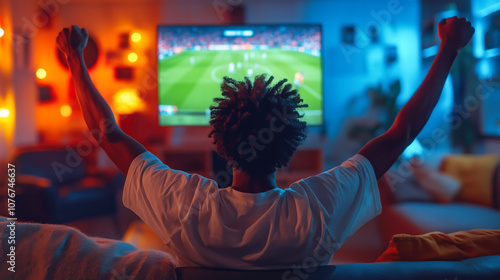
[[95, 109], [121, 148], [415, 114]]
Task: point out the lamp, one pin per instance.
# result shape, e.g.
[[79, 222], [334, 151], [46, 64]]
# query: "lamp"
[[4, 113], [127, 101]]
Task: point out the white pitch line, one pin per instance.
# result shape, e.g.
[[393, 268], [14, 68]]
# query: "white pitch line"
[[214, 76], [312, 112], [312, 91]]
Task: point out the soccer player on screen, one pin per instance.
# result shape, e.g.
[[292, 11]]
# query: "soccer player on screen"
[[231, 69], [298, 79], [257, 128]]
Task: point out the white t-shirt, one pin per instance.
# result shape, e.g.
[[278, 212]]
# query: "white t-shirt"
[[203, 225]]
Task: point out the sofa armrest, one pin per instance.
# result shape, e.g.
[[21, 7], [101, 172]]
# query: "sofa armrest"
[[36, 198], [114, 179], [30, 181]]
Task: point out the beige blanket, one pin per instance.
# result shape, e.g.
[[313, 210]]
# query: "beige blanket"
[[44, 251]]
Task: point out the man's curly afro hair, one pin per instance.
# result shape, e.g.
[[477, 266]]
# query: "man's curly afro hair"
[[257, 128]]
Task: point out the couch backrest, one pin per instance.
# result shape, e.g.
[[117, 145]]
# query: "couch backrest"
[[483, 268], [313, 273], [62, 165]]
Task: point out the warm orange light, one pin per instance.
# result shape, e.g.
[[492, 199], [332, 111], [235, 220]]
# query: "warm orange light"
[[135, 37], [132, 57], [3, 32], [4, 113], [41, 73], [127, 101], [66, 111]]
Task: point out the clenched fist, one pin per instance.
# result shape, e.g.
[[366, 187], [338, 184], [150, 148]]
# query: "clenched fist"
[[72, 40], [455, 32]]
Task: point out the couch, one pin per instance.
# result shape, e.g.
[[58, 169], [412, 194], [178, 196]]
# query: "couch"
[[417, 214], [58, 185]]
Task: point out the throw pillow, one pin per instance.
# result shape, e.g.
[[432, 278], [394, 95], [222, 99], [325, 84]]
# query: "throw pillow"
[[476, 174], [441, 186], [406, 188], [437, 246]]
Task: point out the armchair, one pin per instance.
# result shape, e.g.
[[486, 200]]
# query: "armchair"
[[55, 186]]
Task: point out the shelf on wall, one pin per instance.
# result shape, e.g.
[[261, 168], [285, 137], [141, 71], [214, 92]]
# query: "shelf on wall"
[[489, 53]]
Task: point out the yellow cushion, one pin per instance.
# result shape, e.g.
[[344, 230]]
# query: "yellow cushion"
[[476, 175], [437, 246]]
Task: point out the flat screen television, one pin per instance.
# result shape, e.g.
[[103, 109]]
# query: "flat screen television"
[[192, 60]]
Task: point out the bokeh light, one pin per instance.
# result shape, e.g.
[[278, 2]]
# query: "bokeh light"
[[1, 32], [127, 101], [135, 37], [132, 57], [66, 111], [41, 73], [4, 113]]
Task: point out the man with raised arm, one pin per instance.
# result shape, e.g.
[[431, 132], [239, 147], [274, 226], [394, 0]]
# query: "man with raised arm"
[[256, 126]]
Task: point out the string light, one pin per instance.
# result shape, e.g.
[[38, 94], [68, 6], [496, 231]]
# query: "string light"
[[41, 73], [4, 113], [66, 111], [136, 37], [132, 57]]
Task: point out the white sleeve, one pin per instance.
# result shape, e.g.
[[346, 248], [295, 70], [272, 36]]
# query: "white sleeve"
[[346, 197], [162, 196]]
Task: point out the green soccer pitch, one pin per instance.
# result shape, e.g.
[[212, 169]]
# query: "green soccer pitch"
[[190, 80]]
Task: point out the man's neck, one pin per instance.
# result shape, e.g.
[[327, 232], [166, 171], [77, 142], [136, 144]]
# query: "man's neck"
[[244, 182]]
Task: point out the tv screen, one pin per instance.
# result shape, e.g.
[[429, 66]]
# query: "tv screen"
[[192, 61]]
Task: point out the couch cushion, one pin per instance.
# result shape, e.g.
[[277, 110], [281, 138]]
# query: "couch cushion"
[[422, 217], [442, 187], [437, 246], [476, 173], [406, 188], [483, 268]]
